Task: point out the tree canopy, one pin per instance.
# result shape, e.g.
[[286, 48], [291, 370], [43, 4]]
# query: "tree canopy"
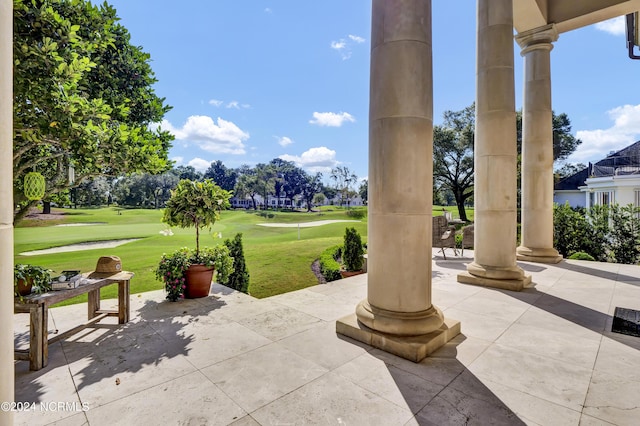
[[453, 144], [453, 155], [83, 98]]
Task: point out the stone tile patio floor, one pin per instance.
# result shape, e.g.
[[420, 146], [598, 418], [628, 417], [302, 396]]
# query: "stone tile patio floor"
[[545, 356]]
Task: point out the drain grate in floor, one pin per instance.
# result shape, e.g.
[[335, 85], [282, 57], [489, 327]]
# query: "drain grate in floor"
[[626, 321]]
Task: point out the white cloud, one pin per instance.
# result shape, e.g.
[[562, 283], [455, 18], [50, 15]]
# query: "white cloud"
[[284, 141], [177, 160], [343, 46], [237, 105], [221, 138], [615, 26], [338, 45], [598, 143], [199, 164], [215, 102], [331, 119], [320, 159]]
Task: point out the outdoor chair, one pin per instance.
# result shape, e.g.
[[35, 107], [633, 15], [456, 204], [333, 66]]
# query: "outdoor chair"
[[443, 235], [467, 237]]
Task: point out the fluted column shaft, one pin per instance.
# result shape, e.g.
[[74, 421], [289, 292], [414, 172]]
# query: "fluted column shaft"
[[495, 154], [537, 147], [6, 209]]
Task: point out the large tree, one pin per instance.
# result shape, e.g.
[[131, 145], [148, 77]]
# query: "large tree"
[[224, 177], [363, 191], [310, 188], [453, 155], [453, 144], [279, 169], [343, 179], [83, 98]]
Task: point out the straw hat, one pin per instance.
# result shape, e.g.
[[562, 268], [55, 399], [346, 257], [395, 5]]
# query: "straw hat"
[[107, 266]]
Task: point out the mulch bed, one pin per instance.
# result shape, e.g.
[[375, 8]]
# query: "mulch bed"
[[315, 267]]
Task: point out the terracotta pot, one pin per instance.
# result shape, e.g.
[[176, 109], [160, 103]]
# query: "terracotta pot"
[[24, 287], [347, 274], [198, 281]]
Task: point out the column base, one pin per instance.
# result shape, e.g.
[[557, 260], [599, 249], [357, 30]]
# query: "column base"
[[506, 284], [413, 348], [539, 255], [399, 323]]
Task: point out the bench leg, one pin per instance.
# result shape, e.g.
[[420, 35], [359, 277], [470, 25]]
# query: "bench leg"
[[36, 343], [123, 302], [93, 303]]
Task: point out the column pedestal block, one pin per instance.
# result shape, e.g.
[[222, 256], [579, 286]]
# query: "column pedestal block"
[[507, 284], [413, 348], [539, 255]]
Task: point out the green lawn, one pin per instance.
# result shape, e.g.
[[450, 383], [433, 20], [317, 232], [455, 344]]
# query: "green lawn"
[[277, 260]]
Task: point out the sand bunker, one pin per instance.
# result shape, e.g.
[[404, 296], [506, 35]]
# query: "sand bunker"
[[80, 246], [304, 224]]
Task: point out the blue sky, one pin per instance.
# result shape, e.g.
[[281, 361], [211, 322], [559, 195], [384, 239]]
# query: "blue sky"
[[252, 80]]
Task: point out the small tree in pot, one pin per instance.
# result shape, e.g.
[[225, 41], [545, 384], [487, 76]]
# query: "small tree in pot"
[[198, 205]]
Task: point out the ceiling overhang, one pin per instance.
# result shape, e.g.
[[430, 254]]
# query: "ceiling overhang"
[[568, 15]]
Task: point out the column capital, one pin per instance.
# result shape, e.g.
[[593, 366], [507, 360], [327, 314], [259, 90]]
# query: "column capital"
[[537, 38]]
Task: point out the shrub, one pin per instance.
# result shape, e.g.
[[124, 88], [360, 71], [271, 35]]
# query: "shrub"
[[575, 230], [239, 278], [357, 213], [353, 251], [581, 256], [624, 234], [608, 233], [459, 241], [329, 266]]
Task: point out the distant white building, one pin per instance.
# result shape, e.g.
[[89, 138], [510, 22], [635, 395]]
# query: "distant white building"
[[612, 180], [273, 202]]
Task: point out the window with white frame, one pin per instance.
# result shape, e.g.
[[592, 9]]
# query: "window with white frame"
[[604, 198]]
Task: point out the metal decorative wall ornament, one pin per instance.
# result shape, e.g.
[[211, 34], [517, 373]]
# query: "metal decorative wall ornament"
[[34, 186]]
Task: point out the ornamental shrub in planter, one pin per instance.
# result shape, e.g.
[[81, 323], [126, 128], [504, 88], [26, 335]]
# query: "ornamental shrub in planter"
[[172, 269], [29, 279], [198, 205]]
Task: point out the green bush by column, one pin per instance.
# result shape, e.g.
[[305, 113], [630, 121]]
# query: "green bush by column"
[[607, 233], [353, 251], [239, 279], [329, 266]]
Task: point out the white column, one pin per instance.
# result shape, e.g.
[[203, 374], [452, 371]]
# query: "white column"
[[6, 208], [495, 154], [537, 147], [398, 300]]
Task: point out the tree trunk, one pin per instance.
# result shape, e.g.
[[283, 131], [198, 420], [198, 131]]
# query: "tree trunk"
[[46, 207], [460, 203]]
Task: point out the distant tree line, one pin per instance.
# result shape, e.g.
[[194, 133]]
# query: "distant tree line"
[[282, 180]]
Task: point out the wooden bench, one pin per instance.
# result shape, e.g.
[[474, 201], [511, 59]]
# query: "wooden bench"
[[37, 305]]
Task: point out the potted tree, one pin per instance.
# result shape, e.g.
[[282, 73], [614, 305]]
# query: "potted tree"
[[29, 279], [185, 272]]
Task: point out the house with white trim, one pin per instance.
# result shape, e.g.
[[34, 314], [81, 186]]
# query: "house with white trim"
[[612, 180]]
